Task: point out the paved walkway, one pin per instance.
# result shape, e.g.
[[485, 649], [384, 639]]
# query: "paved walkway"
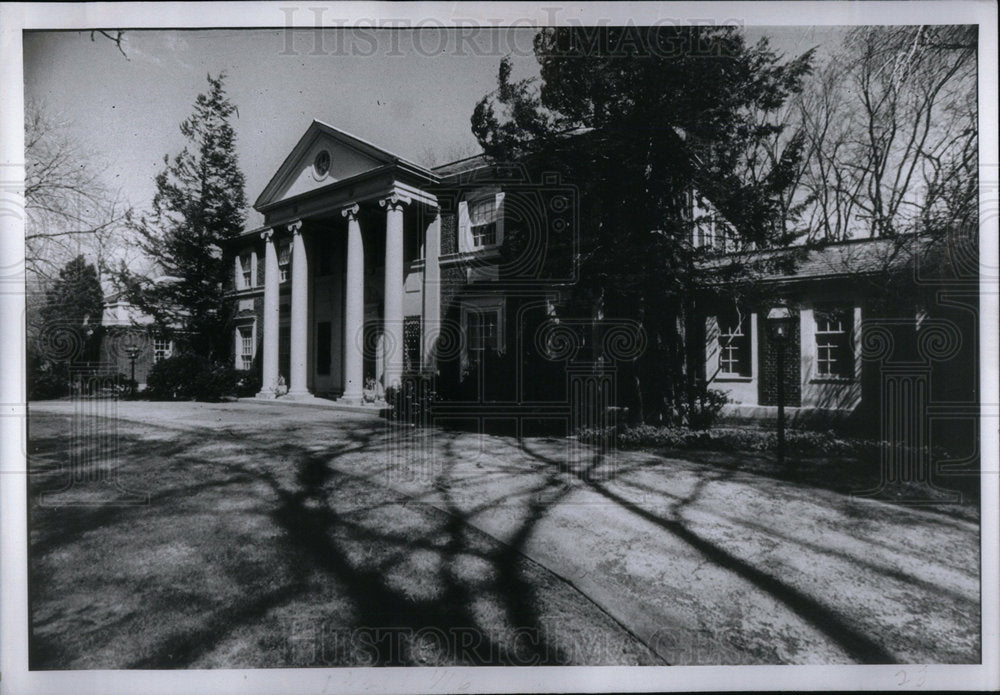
[[704, 565]]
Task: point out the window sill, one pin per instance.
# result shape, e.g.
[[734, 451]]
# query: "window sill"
[[731, 378], [832, 380], [246, 291], [465, 256]]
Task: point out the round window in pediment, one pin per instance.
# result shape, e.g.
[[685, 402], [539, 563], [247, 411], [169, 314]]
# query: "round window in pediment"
[[321, 165]]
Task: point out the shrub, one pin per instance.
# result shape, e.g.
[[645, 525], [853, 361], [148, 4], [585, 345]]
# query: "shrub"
[[248, 383], [191, 377], [124, 385], [412, 400], [175, 377], [737, 439], [49, 380], [218, 382], [705, 410]]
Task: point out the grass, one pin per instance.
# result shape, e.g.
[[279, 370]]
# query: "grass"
[[247, 556]]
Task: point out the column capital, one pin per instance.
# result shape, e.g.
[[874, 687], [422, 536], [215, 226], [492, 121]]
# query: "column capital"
[[395, 201], [351, 212], [267, 234], [294, 227]]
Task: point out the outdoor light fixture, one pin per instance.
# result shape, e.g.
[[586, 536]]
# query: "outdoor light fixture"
[[779, 322], [779, 327], [132, 350]]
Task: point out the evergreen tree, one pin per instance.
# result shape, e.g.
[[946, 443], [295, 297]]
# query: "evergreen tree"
[[637, 118], [68, 329], [73, 311], [199, 204]]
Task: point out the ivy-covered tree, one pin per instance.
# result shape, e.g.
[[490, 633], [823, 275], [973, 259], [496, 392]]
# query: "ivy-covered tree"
[[199, 204], [640, 118]]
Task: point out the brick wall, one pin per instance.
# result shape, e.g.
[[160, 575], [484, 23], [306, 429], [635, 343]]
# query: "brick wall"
[[118, 357], [769, 369], [449, 233]]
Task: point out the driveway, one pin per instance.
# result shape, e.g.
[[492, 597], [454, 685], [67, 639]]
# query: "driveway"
[[701, 565]]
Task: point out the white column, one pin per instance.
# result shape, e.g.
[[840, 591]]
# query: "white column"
[[354, 308], [269, 376], [300, 313], [393, 296], [432, 289]]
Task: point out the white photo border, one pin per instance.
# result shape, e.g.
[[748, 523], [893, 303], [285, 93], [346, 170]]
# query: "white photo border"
[[14, 674]]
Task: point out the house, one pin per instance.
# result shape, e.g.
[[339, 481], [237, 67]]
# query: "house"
[[880, 328], [369, 267], [400, 269], [128, 332]]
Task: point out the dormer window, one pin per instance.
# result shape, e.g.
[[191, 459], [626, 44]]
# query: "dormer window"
[[483, 221]]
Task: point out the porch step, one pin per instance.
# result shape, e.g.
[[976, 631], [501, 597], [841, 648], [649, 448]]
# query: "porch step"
[[321, 403]]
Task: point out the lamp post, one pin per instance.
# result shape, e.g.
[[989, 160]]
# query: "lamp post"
[[779, 324], [132, 350]]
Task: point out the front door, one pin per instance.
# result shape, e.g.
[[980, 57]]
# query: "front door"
[[327, 331], [792, 369]]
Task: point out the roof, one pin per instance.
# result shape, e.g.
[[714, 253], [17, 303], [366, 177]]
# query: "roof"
[[830, 260], [481, 161], [461, 166], [315, 130]]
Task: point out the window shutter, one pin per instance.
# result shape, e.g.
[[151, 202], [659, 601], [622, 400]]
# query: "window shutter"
[[499, 217], [464, 227]]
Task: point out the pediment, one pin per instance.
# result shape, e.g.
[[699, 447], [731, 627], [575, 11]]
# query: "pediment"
[[323, 156]]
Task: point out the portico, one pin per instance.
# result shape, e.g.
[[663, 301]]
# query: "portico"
[[361, 225]]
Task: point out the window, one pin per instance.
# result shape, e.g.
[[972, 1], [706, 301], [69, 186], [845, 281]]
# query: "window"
[[246, 271], [284, 254], [834, 348], [245, 347], [321, 165], [734, 344], [161, 349], [483, 219], [482, 332]]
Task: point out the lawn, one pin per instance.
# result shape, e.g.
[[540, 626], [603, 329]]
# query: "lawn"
[[251, 556]]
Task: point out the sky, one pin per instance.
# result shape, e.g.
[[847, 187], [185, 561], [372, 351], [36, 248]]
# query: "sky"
[[410, 92]]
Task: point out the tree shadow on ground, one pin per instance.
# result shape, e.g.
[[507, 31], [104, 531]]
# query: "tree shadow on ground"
[[325, 516], [858, 646], [855, 476], [384, 610]]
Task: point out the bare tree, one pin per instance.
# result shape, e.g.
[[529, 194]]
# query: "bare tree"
[[432, 158], [887, 123], [115, 36], [69, 209]]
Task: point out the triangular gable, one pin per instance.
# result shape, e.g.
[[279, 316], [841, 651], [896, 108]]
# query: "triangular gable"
[[349, 156]]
